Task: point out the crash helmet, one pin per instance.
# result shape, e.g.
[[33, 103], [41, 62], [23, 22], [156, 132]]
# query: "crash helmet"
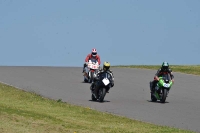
[[94, 52], [165, 66], [106, 66]]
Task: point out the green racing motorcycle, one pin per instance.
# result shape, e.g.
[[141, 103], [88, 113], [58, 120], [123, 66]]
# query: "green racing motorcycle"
[[162, 88]]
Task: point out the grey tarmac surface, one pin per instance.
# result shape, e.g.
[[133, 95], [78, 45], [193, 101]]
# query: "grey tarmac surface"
[[129, 97]]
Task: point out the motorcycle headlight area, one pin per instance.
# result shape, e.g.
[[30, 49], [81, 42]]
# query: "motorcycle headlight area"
[[166, 85], [105, 81]]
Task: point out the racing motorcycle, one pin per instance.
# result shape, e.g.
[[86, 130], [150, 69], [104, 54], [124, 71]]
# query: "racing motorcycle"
[[162, 88], [104, 83], [90, 70]]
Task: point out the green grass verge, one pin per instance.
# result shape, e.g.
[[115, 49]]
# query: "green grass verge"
[[26, 112], [188, 69]]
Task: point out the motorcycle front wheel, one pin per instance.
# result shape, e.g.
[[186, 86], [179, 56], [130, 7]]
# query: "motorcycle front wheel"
[[102, 93], [164, 95]]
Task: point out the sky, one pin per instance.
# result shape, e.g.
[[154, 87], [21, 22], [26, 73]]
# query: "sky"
[[124, 32]]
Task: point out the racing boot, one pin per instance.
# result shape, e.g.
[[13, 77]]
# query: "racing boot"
[[108, 90], [152, 87], [83, 70], [84, 65], [95, 92], [92, 86]]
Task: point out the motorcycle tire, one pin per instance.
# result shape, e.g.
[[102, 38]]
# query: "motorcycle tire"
[[102, 93], [91, 76], [164, 95]]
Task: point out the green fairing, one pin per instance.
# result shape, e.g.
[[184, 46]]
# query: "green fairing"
[[161, 82], [157, 95]]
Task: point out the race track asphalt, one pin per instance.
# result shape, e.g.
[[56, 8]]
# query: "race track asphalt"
[[129, 97]]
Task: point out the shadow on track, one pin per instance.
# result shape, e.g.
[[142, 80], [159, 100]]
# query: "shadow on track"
[[157, 102], [98, 101], [84, 82]]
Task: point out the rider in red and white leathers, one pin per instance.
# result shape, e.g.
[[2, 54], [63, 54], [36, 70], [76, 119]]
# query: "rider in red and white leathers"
[[92, 56]]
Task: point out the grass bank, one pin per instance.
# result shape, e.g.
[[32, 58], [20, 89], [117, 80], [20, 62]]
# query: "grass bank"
[[188, 69], [30, 113]]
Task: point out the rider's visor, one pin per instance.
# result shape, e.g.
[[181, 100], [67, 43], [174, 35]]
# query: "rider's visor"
[[165, 67], [94, 53]]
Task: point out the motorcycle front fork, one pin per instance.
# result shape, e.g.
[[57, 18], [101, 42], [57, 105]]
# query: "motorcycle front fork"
[[158, 93]]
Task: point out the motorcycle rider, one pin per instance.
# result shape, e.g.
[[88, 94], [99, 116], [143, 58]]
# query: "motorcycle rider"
[[163, 70], [106, 68], [92, 55]]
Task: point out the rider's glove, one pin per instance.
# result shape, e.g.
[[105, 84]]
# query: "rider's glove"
[[112, 84]]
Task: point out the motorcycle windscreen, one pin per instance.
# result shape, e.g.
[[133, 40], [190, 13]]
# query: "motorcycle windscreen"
[[93, 60], [166, 78], [165, 82]]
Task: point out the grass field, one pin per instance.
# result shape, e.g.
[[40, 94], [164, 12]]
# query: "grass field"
[[24, 112], [188, 69]]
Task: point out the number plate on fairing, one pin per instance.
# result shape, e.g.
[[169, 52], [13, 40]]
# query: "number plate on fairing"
[[166, 85], [106, 81]]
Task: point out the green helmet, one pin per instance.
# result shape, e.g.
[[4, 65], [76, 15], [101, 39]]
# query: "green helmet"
[[165, 66]]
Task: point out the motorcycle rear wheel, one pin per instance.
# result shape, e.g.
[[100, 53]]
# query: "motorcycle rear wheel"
[[91, 76]]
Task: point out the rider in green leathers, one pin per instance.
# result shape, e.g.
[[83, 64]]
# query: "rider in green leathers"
[[163, 70]]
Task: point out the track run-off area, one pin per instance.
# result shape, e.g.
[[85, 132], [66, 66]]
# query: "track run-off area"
[[129, 97]]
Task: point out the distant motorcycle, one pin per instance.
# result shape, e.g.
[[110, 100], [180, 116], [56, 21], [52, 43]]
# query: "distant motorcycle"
[[91, 69], [104, 83], [162, 88]]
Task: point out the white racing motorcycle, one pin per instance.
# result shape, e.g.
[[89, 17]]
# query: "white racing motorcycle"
[[90, 70]]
